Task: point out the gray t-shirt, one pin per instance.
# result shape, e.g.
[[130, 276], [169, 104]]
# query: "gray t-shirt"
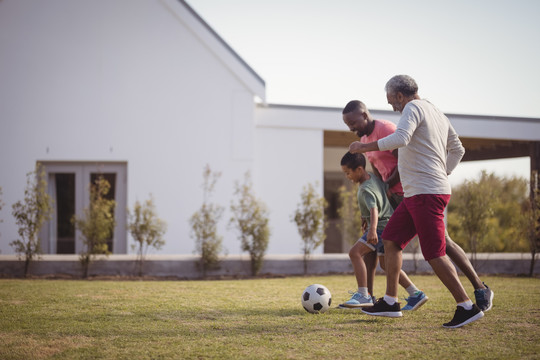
[[372, 194], [429, 149]]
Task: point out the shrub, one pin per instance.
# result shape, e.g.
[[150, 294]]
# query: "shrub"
[[204, 225], [30, 214], [146, 229], [310, 221], [250, 217], [97, 225]]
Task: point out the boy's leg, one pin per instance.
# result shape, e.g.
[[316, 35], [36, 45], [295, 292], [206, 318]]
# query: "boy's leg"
[[404, 280], [400, 229], [370, 259], [416, 297], [356, 255]]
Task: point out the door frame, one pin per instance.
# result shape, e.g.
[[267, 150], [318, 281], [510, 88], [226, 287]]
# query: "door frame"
[[82, 171]]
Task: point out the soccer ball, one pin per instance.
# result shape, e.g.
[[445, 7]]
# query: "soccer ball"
[[316, 299]]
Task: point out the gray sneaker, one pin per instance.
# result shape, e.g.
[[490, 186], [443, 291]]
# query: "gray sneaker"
[[484, 298]]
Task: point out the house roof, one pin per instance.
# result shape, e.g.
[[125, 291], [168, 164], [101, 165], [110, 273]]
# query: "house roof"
[[218, 46]]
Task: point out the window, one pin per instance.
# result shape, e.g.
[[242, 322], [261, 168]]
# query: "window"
[[68, 186]]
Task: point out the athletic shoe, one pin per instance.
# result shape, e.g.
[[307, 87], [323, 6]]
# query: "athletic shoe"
[[357, 301], [381, 308], [464, 317], [374, 299], [484, 298], [415, 301]]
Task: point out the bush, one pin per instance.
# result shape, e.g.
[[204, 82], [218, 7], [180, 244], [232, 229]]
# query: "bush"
[[146, 229], [204, 225], [310, 221], [30, 215], [97, 225], [349, 213], [250, 217]]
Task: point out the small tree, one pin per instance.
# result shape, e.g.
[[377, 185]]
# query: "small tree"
[[30, 215], [97, 225], [350, 215], [147, 230], [474, 210], [311, 221], [204, 225], [534, 220], [250, 217]]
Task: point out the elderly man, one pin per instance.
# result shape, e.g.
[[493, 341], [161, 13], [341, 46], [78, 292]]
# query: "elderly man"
[[358, 119], [429, 149]]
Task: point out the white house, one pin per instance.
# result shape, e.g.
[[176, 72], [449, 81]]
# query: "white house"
[[145, 92]]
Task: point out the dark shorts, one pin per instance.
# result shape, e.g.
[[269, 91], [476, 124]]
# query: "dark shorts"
[[379, 247], [423, 215]]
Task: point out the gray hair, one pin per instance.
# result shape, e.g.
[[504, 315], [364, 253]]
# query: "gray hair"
[[403, 84]]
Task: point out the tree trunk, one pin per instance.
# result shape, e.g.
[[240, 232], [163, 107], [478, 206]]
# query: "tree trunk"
[[26, 266], [533, 260]]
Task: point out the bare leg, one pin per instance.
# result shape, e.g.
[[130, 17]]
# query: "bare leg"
[[370, 259], [404, 280], [447, 273], [458, 256], [356, 255], [393, 260]]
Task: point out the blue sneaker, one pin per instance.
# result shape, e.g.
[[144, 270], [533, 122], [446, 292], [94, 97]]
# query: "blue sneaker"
[[415, 301], [357, 301], [484, 298]]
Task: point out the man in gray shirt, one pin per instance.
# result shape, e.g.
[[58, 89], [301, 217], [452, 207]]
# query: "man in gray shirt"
[[429, 149]]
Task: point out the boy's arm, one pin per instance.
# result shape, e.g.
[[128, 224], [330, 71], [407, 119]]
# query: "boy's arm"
[[372, 232]]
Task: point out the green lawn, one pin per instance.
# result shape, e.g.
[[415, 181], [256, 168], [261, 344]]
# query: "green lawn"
[[253, 319]]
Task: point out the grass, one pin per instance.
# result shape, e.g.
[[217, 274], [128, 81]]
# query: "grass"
[[253, 319]]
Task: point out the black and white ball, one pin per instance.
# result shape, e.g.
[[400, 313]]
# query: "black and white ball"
[[316, 299]]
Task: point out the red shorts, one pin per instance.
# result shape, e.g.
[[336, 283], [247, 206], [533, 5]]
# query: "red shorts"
[[423, 215]]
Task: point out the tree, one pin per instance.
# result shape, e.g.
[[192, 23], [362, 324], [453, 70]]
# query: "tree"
[[473, 204], [97, 225], [506, 224], [30, 215], [350, 215], [146, 229], [310, 221], [250, 218], [533, 226], [204, 225]]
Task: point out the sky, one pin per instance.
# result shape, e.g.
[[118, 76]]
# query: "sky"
[[477, 57]]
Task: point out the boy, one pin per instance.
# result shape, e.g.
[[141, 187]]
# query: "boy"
[[357, 117], [376, 211]]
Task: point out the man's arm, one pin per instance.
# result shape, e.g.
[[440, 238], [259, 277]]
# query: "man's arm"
[[455, 150], [394, 178], [358, 148]]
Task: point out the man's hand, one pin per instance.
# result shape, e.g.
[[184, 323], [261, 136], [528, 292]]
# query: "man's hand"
[[358, 148]]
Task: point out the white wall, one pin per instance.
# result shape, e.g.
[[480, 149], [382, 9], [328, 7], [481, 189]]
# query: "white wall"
[[287, 159], [120, 81]]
